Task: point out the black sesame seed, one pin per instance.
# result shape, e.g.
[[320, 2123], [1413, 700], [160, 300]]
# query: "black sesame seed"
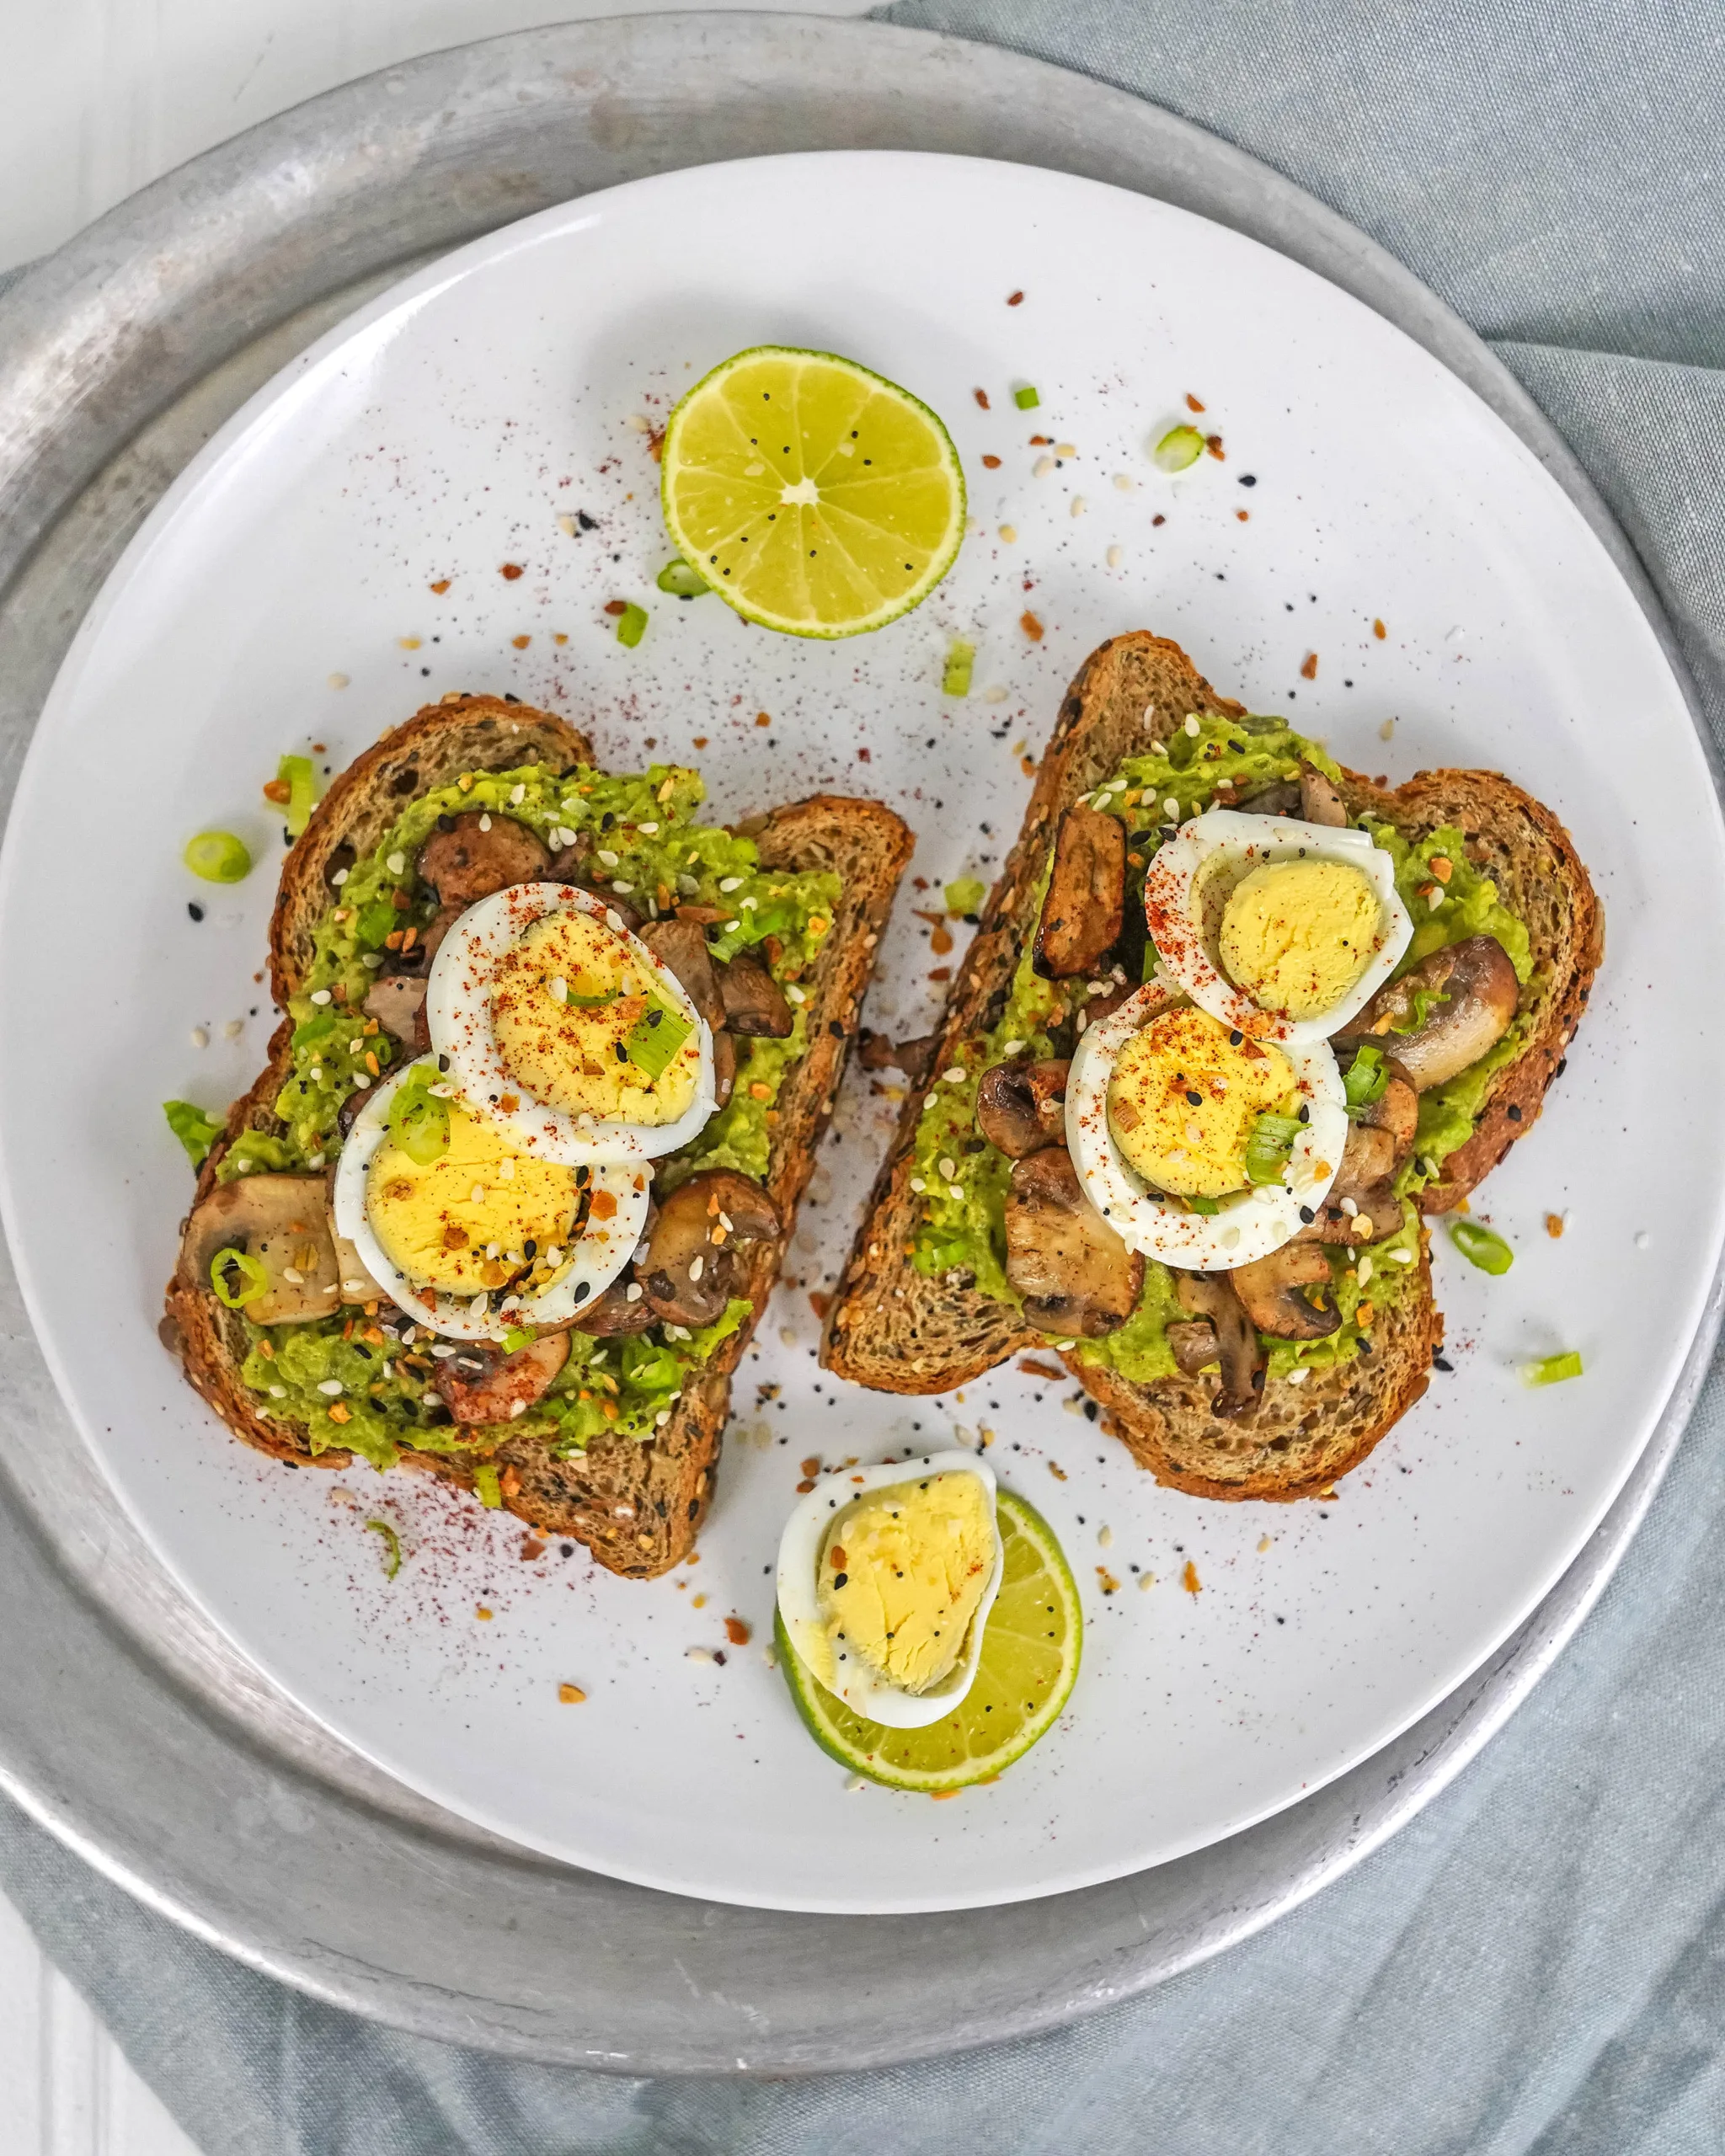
[[1442, 1363], [1196, 1099], [1562, 1068], [1235, 1037], [1307, 1215], [1305, 1113], [530, 1248], [836, 1029], [1515, 1114], [194, 910], [565, 1548], [839, 1578], [443, 1063], [587, 523], [623, 1054], [1248, 478], [582, 1289]]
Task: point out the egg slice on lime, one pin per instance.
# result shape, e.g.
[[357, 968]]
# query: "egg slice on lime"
[[1198, 1145], [564, 1027], [886, 1575], [1283, 929], [466, 1233]]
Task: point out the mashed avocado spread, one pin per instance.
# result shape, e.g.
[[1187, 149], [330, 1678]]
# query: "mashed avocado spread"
[[962, 1179], [654, 857]]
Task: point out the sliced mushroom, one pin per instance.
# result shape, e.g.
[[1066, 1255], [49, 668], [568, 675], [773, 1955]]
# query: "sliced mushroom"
[[754, 1004], [1375, 1213], [1211, 1295], [1271, 1292], [1319, 800], [1086, 902], [1195, 1344], [681, 945], [1097, 1007], [1283, 798], [478, 1385], [1076, 1275], [356, 1283], [397, 1002], [691, 1266], [572, 863], [463, 863], [622, 1307], [1368, 1159], [724, 1067], [1022, 1106], [1480, 991], [281, 1221]]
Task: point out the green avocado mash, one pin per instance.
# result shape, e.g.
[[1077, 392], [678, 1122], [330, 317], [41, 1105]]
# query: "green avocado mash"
[[962, 1179], [650, 853]]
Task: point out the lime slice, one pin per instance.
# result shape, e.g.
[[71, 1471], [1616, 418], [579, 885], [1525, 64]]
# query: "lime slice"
[[813, 496], [1030, 1653]]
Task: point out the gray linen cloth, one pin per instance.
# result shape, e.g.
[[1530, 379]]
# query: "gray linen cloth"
[[1537, 1966]]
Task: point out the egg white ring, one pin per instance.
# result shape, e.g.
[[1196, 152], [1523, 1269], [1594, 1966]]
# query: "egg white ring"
[[599, 1253], [1248, 1227], [1187, 950], [799, 1597], [458, 1017]]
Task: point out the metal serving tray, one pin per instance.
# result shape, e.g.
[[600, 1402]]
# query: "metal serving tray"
[[127, 1725]]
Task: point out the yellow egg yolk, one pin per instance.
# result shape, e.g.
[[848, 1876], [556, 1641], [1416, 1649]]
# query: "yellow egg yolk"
[[567, 998], [464, 1223], [1183, 1097], [1296, 935], [902, 1572]]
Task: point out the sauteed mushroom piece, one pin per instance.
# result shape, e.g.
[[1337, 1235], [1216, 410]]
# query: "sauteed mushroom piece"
[[1076, 1275], [691, 1266], [1319, 800], [1478, 985], [1195, 1344], [754, 1005], [1283, 798], [1086, 902], [479, 1384], [1211, 1296], [1270, 1292], [622, 1307], [724, 1067], [281, 1221], [397, 1002], [681, 945], [464, 863], [1022, 1106]]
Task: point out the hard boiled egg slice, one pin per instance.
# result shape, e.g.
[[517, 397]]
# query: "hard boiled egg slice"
[[565, 1028], [1198, 1145], [1285, 930], [886, 1576], [467, 1234]]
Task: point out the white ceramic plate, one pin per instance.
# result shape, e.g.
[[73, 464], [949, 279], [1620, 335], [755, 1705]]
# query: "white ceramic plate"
[[443, 432]]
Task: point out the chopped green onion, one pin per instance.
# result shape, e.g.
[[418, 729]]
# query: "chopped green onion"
[[378, 920], [1481, 1246], [392, 1546], [486, 1486], [1269, 1146], [418, 1122], [652, 1042], [1179, 448], [196, 1131], [1420, 1003], [1365, 1079], [632, 625], [1202, 1205], [1552, 1370], [297, 775], [517, 1337], [955, 681], [965, 895], [682, 579], [218, 857], [1026, 398], [250, 1270]]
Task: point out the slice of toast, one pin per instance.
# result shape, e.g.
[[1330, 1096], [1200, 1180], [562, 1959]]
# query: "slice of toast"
[[638, 1505], [897, 1330]]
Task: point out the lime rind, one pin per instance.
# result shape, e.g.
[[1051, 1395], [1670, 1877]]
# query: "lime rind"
[[716, 483], [880, 1754]]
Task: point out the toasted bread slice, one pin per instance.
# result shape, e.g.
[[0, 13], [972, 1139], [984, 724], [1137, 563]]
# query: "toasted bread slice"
[[896, 1330], [637, 1505]]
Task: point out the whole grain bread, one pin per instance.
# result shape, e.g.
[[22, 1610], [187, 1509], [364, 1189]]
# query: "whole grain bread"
[[897, 1330], [638, 1505]]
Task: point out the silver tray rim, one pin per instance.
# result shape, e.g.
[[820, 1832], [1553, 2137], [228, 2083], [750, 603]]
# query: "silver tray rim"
[[128, 1730]]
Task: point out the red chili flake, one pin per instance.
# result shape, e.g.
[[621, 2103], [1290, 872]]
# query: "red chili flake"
[[699, 740], [820, 1304], [1192, 402], [1244, 515], [531, 1547], [982, 397], [510, 571], [804, 1488], [865, 756], [1308, 667], [613, 607], [1212, 443], [442, 585], [1158, 519], [940, 973], [990, 464], [520, 643], [1015, 299], [1031, 627], [1189, 1579], [277, 789], [737, 1632], [1042, 441], [762, 718], [1379, 631]]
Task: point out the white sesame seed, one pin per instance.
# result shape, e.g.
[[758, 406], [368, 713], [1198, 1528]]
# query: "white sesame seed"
[[956, 1193], [201, 1039], [330, 1387], [1170, 807], [395, 863], [566, 525], [1386, 732], [494, 1251], [729, 883], [338, 681], [1079, 505], [949, 1169], [278, 1392], [995, 693], [554, 1255], [1104, 1538], [1116, 555], [661, 1418], [623, 890], [1146, 1581], [362, 1082], [796, 995], [339, 878], [606, 860], [918, 1185], [1043, 466], [1644, 1240], [732, 926], [648, 830], [1299, 1374], [1192, 725], [614, 919], [320, 995], [516, 1407], [1012, 1048], [560, 989], [633, 1293], [1124, 481], [1401, 1257], [477, 1307], [1348, 1207], [698, 1654], [697, 1266], [854, 1782], [517, 795], [638, 425], [431, 1399], [1009, 532], [955, 1076], [290, 1272], [1366, 1271], [1065, 449]]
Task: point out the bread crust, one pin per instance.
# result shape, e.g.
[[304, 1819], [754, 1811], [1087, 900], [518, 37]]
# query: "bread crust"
[[894, 1329], [636, 1504]]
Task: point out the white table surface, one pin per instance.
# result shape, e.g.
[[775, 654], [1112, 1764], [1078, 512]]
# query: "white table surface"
[[107, 95]]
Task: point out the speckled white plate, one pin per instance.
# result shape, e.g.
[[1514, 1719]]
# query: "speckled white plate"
[[465, 421]]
